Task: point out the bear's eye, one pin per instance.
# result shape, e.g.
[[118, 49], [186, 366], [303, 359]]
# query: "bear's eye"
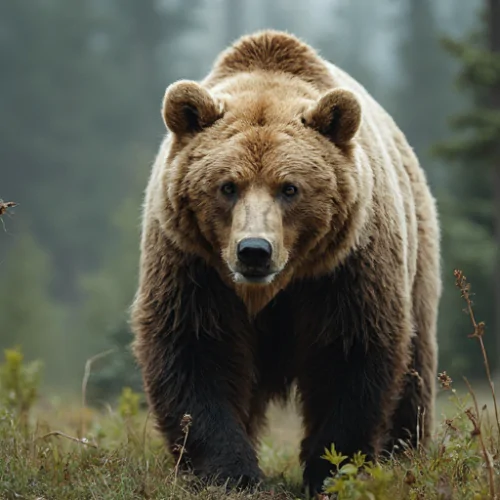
[[228, 189], [289, 190]]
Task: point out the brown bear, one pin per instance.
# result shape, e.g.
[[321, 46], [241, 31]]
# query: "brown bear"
[[289, 239]]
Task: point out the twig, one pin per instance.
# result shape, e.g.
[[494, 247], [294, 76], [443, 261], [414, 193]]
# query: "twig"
[[490, 428], [418, 427], [185, 424], [441, 448], [86, 375], [476, 422], [464, 286], [145, 430], [83, 441], [5, 205], [474, 399]]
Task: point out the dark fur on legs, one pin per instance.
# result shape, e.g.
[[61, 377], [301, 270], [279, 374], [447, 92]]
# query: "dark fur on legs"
[[198, 362], [351, 375]]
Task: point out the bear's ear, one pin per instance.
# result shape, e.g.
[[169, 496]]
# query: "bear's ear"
[[337, 115], [189, 108]]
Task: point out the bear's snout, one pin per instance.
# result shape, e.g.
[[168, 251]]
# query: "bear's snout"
[[255, 254], [254, 261]]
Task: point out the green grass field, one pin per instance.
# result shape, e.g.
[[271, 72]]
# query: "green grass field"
[[59, 449]]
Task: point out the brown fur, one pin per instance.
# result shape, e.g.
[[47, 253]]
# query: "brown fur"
[[349, 309]]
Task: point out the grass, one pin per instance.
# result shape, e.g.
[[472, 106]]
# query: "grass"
[[60, 449], [122, 457]]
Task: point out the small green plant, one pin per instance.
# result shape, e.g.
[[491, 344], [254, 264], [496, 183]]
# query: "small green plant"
[[356, 479], [19, 382], [128, 404], [128, 410]]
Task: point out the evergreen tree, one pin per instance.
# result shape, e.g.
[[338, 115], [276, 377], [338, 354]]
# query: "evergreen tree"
[[146, 46], [347, 44], [469, 218], [109, 294], [109, 290], [82, 84], [29, 318], [424, 99], [60, 94]]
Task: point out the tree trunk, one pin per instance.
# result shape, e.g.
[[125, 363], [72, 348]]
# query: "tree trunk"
[[493, 13]]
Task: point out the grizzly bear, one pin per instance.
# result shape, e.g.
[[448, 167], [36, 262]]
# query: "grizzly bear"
[[289, 239]]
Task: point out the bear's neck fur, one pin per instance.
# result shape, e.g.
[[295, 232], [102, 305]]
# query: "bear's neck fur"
[[256, 298]]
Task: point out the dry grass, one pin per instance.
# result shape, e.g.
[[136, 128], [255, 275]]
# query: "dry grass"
[[119, 458], [122, 457]]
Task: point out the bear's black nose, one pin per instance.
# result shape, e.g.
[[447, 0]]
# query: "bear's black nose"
[[255, 252]]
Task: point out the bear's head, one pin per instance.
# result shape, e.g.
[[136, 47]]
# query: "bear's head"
[[264, 176]]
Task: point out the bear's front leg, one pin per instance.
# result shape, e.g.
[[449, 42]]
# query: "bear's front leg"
[[198, 377], [347, 400], [354, 335], [193, 350]]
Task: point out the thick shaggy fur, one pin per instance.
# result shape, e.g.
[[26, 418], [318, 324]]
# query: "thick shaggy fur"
[[349, 314]]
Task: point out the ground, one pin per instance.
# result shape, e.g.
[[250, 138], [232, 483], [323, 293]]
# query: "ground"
[[122, 457]]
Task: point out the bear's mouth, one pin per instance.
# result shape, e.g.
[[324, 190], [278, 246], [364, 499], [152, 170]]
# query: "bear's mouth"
[[254, 277]]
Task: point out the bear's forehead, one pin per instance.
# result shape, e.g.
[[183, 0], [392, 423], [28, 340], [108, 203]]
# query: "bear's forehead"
[[264, 153], [260, 99], [261, 148], [260, 110]]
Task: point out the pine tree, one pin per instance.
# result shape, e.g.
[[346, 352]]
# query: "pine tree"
[[347, 45], [82, 84], [61, 93], [151, 28], [470, 218], [425, 98], [108, 294]]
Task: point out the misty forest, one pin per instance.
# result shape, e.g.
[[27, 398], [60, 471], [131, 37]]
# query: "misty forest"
[[81, 86]]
